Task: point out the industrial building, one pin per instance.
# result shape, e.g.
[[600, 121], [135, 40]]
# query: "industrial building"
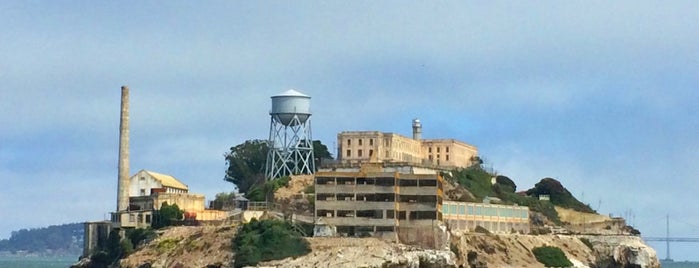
[[355, 147], [403, 203], [395, 202]]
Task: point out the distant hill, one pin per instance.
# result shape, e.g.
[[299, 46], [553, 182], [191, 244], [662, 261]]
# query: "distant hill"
[[65, 239]]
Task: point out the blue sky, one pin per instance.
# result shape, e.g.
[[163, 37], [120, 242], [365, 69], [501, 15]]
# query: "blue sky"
[[601, 96]]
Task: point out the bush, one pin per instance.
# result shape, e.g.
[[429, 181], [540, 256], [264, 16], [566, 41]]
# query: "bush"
[[138, 235], [266, 240], [551, 257], [166, 215]]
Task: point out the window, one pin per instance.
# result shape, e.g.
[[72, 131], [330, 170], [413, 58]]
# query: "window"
[[143, 179], [438, 149], [387, 154], [143, 192], [429, 150], [371, 153], [349, 142], [447, 157], [430, 157], [360, 141], [371, 142], [359, 152], [447, 149], [349, 153], [147, 218], [132, 218]]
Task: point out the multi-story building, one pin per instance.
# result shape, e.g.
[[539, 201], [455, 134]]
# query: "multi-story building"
[[364, 146], [378, 200], [401, 202]]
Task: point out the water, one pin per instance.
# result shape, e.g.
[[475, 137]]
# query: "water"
[[679, 264], [37, 262]]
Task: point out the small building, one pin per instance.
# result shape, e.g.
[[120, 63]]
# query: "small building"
[[148, 191], [145, 183]]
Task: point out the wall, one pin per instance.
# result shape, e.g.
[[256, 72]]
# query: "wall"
[[494, 218]]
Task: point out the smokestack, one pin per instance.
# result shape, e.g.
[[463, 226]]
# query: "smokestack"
[[123, 187], [417, 129]]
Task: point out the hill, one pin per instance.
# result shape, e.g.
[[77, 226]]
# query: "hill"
[[65, 239]]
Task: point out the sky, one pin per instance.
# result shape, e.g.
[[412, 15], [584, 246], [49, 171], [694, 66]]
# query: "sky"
[[599, 95]]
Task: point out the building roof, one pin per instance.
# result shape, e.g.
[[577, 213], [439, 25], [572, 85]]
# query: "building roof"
[[167, 180]]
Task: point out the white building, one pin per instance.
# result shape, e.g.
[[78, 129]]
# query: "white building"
[[145, 182]]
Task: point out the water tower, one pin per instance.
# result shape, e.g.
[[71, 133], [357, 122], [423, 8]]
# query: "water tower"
[[290, 143]]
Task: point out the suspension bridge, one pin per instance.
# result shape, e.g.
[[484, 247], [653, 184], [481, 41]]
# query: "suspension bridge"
[[667, 239]]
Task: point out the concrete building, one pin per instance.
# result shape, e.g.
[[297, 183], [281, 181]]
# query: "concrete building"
[[494, 218], [148, 191], [356, 147], [381, 200]]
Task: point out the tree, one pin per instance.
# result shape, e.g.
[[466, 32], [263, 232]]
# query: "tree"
[[246, 164], [321, 153], [166, 214], [558, 195]]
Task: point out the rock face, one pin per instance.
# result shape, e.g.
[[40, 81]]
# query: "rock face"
[[365, 252], [488, 250], [200, 246], [623, 251]]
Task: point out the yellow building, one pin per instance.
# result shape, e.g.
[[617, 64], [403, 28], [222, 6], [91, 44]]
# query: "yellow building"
[[356, 147]]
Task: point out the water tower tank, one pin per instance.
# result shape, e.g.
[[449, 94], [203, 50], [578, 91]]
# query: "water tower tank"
[[288, 104]]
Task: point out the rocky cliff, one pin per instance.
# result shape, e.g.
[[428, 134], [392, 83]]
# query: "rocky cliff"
[[210, 247]]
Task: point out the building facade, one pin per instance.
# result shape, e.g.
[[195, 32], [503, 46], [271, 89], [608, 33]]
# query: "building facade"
[[494, 218], [356, 147], [145, 182], [379, 201], [148, 191]]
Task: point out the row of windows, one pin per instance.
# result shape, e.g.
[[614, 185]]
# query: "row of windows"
[[430, 157], [361, 141], [476, 210], [360, 153], [429, 149], [379, 214]]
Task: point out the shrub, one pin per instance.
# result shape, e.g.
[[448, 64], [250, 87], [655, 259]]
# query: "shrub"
[[551, 257], [138, 235], [266, 240]]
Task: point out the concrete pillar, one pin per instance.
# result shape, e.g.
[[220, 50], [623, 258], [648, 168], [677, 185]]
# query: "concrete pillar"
[[123, 186]]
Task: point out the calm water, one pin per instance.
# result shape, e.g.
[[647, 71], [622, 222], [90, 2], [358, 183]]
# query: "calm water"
[[36, 262], [680, 264]]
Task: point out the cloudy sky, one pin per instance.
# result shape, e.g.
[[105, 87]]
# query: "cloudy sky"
[[602, 96]]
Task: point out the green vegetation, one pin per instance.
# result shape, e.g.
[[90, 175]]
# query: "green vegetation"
[[558, 194], [266, 240], [246, 164], [479, 183], [166, 215], [138, 235], [246, 167], [57, 239], [551, 257]]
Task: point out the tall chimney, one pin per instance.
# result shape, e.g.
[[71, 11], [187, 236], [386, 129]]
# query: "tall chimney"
[[417, 129], [123, 187]]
